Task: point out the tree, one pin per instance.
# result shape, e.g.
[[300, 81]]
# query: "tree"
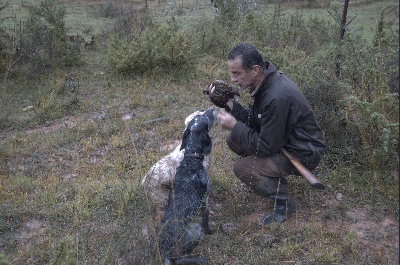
[[341, 19]]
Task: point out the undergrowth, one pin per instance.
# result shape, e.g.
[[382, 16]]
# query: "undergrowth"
[[71, 161]]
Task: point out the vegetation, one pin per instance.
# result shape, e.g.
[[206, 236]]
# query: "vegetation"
[[83, 85]]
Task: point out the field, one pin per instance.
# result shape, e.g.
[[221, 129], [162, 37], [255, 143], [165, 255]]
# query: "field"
[[71, 163]]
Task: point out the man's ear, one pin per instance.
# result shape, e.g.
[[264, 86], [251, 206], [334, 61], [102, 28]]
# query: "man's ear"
[[256, 70]]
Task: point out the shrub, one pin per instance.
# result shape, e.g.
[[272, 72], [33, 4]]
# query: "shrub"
[[6, 48], [325, 96], [130, 23], [277, 30], [213, 38], [107, 8], [44, 43], [160, 48], [371, 101], [289, 30], [377, 124]]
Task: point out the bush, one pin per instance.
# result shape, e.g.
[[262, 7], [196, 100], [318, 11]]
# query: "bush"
[[273, 31], [160, 48], [107, 8], [213, 38], [378, 127], [130, 23], [44, 43], [6, 48]]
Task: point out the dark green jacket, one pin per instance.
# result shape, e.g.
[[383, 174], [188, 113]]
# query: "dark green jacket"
[[279, 117]]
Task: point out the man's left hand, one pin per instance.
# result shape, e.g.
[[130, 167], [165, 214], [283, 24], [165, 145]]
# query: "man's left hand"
[[226, 120]]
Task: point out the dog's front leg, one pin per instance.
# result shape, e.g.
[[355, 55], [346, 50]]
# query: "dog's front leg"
[[205, 213]]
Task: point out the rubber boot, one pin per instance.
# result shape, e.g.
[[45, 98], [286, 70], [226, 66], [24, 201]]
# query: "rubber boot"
[[274, 188], [282, 210]]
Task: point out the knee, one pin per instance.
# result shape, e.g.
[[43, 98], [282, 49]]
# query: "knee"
[[238, 169], [244, 167]]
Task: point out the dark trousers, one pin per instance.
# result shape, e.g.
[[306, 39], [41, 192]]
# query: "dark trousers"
[[262, 174]]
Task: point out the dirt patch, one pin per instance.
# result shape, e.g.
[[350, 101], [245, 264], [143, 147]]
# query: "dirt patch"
[[30, 230], [367, 229]]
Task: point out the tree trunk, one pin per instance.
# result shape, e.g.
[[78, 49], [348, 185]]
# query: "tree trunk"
[[342, 31]]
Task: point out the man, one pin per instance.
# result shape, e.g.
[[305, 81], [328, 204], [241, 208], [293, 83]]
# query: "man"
[[278, 116]]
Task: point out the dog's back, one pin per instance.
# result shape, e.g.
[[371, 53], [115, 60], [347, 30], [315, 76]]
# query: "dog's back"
[[157, 181], [186, 199], [189, 196]]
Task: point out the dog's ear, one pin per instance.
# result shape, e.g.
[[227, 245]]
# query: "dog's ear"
[[184, 138], [207, 144]]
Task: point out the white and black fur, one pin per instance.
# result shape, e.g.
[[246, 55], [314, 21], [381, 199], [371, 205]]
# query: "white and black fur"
[[158, 180], [189, 196]]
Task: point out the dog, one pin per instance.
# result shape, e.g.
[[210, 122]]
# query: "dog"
[[157, 181], [188, 196]]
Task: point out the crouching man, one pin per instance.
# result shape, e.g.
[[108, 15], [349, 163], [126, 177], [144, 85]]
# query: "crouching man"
[[278, 116]]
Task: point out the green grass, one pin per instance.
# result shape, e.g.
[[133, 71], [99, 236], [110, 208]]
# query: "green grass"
[[70, 174]]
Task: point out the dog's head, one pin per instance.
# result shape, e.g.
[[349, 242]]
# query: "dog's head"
[[196, 137]]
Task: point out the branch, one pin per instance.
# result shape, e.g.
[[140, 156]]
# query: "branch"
[[351, 20]]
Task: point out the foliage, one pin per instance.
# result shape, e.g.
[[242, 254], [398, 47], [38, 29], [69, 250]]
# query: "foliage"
[[316, 3], [212, 38], [130, 23], [107, 8], [69, 176], [275, 30], [372, 106], [4, 260], [44, 43], [234, 9], [294, 30], [5, 43], [378, 127], [63, 254], [160, 48]]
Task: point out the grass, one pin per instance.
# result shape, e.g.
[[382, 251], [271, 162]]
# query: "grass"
[[70, 174]]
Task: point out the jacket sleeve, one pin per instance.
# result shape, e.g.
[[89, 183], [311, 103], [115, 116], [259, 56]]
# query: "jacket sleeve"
[[273, 118], [239, 112]]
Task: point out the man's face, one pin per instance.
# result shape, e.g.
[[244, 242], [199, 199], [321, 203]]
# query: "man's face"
[[244, 80]]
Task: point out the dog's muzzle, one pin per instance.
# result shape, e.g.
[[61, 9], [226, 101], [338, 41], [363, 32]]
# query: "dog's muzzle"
[[210, 114]]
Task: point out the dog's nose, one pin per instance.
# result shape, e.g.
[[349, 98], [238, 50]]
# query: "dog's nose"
[[211, 115], [212, 111]]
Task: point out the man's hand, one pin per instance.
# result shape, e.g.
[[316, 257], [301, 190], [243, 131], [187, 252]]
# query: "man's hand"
[[226, 120]]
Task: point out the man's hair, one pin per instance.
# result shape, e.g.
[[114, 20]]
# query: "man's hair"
[[249, 54]]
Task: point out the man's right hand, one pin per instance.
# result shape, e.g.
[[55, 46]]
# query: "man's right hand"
[[226, 120]]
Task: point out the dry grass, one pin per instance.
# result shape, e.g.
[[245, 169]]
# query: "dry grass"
[[70, 194]]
